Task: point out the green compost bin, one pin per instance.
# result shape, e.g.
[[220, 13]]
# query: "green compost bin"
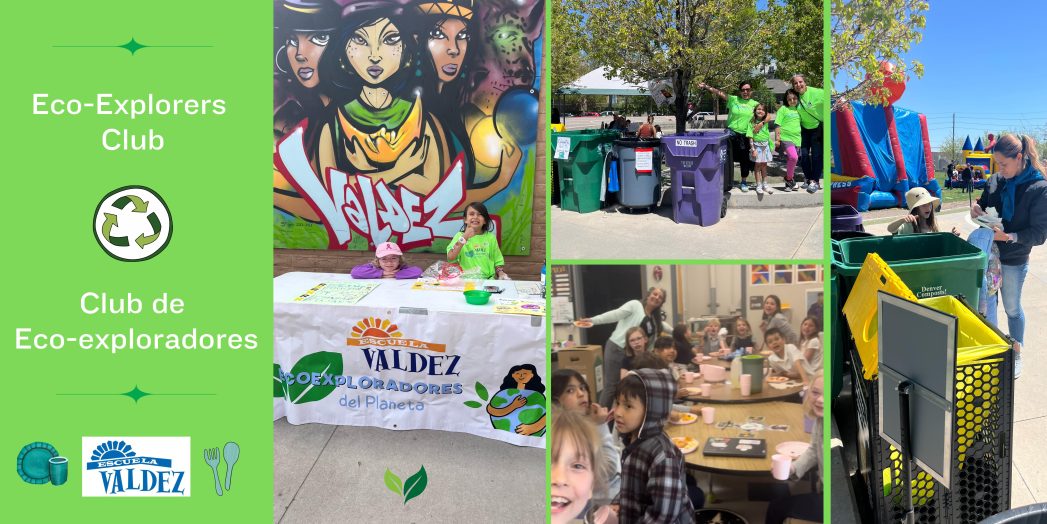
[[930, 264], [580, 160]]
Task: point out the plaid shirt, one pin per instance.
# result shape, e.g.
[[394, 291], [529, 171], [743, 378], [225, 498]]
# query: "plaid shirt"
[[654, 487]]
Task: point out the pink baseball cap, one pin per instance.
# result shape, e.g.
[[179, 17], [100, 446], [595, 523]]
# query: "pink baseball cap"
[[387, 248]]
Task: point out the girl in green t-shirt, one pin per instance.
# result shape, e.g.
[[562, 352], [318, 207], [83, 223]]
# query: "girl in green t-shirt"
[[788, 121], [759, 135], [475, 246]]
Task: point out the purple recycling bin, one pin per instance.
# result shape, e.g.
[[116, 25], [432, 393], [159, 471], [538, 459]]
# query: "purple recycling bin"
[[846, 218], [697, 161]]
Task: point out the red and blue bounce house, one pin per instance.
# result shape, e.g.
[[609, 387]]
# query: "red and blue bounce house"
[[879, 153]]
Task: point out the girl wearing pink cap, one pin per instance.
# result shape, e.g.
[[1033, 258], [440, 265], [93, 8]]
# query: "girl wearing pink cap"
[[388, 263]]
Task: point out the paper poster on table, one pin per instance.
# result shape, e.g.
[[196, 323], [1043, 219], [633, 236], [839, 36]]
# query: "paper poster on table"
[[483, 375], [644, 159], [380, 140]]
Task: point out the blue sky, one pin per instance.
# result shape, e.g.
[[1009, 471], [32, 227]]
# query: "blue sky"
[[983, 61]]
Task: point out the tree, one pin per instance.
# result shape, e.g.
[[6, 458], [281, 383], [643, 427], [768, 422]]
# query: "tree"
[[567, 64], [796, 40], [867, 32], [951, 148], [689, 41]]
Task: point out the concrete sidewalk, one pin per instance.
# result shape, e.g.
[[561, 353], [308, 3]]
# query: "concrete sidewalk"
[[324, 473], [1029, 476]]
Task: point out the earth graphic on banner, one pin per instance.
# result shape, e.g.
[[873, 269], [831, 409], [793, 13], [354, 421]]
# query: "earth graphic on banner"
[[528, 414]]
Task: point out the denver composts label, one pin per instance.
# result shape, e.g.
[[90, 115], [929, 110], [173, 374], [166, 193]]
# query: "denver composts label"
[[136, 466]]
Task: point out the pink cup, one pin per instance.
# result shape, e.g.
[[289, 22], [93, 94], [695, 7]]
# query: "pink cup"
[[780, 465], [708, 414], [707, 389], [746, 383], [689, 376]]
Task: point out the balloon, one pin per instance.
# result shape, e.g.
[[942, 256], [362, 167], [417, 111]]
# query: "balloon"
[[893, 88], [516, 115]]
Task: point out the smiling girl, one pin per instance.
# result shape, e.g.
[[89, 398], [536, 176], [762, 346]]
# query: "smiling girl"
[[388, 263], [475, 246], [574, 477]]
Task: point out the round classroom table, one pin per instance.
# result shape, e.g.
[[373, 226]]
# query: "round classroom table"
[[773, 413]]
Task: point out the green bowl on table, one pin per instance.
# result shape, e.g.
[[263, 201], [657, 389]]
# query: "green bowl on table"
[[477, 297]]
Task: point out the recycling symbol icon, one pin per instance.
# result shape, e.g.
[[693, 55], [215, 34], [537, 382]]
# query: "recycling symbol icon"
[[132, 224]]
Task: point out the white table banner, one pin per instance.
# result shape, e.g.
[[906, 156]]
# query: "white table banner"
[[411, 368]]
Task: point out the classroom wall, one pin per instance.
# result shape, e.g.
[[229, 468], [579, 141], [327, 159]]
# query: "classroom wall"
[[697, 283], [794, 297]]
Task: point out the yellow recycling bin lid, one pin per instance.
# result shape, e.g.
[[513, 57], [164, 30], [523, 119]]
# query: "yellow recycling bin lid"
[[860, 309]]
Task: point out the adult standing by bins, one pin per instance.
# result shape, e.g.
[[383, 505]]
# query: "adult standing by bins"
[[1019, 196], [739, 122], [812, 102]]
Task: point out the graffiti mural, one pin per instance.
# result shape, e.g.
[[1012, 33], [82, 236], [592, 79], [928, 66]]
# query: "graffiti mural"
[[390, 116]]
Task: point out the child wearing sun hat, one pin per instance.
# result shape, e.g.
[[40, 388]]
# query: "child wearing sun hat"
[[388, 263]]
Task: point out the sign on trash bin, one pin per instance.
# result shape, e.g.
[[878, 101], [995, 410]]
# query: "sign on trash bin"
[[563, 147], [644, 159]]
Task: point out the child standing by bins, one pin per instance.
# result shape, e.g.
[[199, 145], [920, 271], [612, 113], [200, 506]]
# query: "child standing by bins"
[[654, 487], [788, 121], [759, 135]]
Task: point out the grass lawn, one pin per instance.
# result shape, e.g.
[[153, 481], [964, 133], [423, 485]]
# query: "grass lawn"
[[953, 195]]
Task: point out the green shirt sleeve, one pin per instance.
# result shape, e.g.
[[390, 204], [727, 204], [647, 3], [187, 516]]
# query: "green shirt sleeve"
[[496, 252], [450, 246]]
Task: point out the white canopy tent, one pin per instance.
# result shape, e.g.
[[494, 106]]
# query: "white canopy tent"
[[598, 82]]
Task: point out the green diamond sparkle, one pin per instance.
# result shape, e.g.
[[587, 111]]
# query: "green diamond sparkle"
[[133, 46], [136, 394]]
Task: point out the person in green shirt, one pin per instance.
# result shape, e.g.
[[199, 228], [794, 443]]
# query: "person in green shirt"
[[812, 102], [759, 136], [739, 122], [475, 247], [788, 121]]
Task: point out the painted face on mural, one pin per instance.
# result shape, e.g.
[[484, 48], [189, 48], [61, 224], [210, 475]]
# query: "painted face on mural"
[[303, 53], [375, 51], [508, 39], [523, 376], [448, 43]]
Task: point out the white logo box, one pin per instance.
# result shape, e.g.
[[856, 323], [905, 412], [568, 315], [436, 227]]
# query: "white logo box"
[[135, 466]]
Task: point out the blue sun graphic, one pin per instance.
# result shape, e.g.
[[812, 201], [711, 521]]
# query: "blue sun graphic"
[[111, 450]]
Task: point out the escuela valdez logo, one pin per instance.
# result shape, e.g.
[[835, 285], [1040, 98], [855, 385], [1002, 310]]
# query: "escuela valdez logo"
[[135, 466]]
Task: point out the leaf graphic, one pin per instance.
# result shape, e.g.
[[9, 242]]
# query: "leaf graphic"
[[481, 390], [279, 387], [415, 485], [393, 483], [472, 403], [323, 362]]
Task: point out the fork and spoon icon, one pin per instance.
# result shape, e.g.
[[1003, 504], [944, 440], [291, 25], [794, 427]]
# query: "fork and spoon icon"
[[231, 452]]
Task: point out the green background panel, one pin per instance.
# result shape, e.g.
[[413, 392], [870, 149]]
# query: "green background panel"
[[219, 260]]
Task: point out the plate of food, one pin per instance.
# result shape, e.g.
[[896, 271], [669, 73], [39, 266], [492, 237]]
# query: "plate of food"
[[691, 392], [686, 444], [767, 352], [777, 380], [684, 419], [583, 323], [793, 449]]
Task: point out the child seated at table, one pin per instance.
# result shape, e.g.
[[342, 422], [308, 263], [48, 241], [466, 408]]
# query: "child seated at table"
[[712, 340], [811, 345], [388, 262], [807, 506], [571, 392], [654, 486], [785, 359], [475, 246], [665, 349], [743, 341], [574, 475]]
